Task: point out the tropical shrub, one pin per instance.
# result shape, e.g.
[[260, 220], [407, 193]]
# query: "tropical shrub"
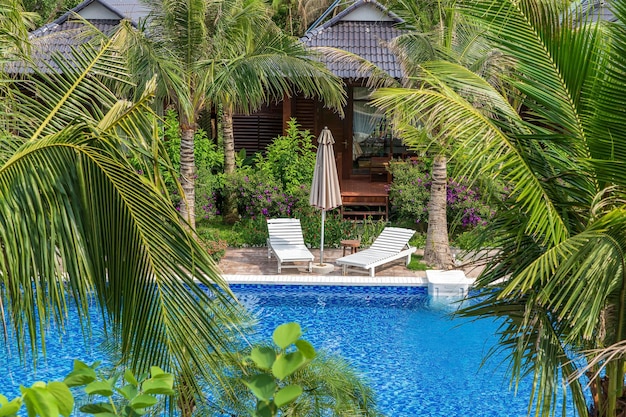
[[212, 242], [335, 228], [289, 160], [274, 184], [253, 231], [370, 229], [290, 378], [409, 194], [260, 196]]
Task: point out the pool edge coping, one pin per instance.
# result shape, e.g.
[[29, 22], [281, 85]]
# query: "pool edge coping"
[[338, 280]]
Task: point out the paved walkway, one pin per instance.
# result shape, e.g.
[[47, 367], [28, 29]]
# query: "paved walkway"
[[251, 265]]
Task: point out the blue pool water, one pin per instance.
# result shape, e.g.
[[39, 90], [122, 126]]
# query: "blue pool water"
[[419, 361]]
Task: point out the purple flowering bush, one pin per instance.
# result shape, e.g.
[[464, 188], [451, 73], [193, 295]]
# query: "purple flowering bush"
[[409, 194], [277, 183], [260, 196], [466, 206]]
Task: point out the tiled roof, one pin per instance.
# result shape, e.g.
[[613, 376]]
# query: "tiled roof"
[[59, 39], [362, 37], [598, 10], [65, 32], [366, 39], [133, 10]]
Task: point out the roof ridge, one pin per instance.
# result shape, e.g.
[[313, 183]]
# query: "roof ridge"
[[350, 9]]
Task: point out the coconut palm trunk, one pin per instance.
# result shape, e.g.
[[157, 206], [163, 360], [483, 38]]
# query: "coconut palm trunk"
[[230, 207], [229, 140], [188, 171], [437, 250]]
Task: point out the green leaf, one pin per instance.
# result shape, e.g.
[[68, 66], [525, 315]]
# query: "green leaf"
[[128, 391], [306, 349], [287, 394], [63, 397], [99, 388], [286, 334], [287, 364], [40, 402], [10, 408], [80, 376], [161, 385], [143, 401], [156, 371], [262, 386], [97, 408], [263, 356], [130, 378], [264, 409]]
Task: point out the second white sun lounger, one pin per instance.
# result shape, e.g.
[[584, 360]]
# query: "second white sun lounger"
[[391, 244], [286, 243]]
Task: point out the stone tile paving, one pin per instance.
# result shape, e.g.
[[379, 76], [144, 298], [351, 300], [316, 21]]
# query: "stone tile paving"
[[254, 262]]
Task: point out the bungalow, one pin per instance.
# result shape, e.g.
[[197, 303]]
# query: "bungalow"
[[363, 142], [364, 29]]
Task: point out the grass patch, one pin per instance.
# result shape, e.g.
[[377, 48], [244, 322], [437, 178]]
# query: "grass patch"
[[416, 263]]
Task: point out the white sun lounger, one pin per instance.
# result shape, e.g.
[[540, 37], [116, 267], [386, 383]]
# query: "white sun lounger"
[[286, 243], [391, 244]]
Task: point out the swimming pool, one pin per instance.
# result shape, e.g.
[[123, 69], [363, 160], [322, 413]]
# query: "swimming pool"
[[418, 360]]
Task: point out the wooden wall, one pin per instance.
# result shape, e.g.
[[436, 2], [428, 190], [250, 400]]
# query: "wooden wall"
[[255, 132]]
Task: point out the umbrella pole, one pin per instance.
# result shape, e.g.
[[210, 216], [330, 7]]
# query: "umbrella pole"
[[322, 239]]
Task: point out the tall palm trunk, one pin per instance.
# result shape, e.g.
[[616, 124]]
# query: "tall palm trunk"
[[229, 140], [188, 170], [230, 208], [437, 251]]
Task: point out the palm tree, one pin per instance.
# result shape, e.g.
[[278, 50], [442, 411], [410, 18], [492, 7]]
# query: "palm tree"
[[230, 54], [79, 222], [449, 37], [554, 133]]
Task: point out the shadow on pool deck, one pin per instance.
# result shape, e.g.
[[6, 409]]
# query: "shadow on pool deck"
[[254, 261]]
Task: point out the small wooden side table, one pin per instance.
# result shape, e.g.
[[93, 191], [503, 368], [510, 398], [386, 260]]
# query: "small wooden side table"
[[353, 244]]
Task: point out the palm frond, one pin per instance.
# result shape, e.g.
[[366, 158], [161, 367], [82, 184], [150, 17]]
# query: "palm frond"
[[275, 65], [79, 223], [448, 115], [14, 25]]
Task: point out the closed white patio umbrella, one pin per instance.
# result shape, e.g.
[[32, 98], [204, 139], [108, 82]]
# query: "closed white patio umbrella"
[[325, 191]]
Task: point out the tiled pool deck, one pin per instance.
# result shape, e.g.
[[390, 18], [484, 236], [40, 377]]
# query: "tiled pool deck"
[[251, 266]]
